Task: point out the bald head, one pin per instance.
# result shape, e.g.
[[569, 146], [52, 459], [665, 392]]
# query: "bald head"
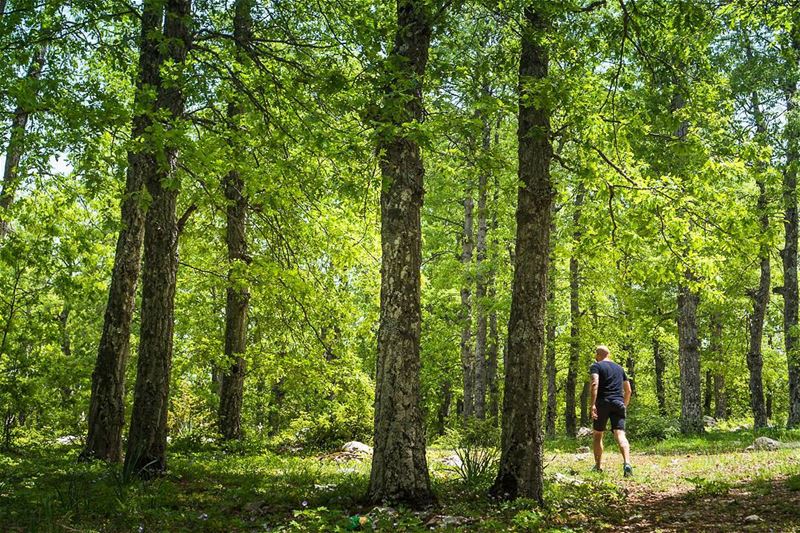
[[601, 352]]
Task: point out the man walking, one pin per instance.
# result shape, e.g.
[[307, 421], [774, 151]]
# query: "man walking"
[[611, 392]]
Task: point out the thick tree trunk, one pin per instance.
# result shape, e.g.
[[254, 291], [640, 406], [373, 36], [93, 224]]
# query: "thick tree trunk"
[[575, 316], [237, 292], [520, 472], [399, 466], [550, 366], [659, 364], [107, 405], [480, 287], [760, 296], [689, 360], [16, 142], [467, 354], [147, 439], [789, 252]]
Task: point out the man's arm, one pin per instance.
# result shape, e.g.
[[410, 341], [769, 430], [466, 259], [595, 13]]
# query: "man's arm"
[[594, 387], [627, 390]]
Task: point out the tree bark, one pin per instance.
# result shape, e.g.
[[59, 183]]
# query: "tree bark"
[[760, 296], [237, 292], [494, 338], [467, 354], [659, 364], [689, 360], [708, 395], [107, 404], [575, 316], [520, 471], [480, 287], [550, 367], [147, 438], [789, 252], [16, 142], [444, 408], [399, 466]]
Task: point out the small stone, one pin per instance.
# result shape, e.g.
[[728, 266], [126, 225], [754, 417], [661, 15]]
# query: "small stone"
[[357, 447], [766, 443], [583, 449], [709, 421], [453, 461], [753, 518], [584, 433]]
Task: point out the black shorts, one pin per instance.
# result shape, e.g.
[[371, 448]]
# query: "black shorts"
[[614, 410]]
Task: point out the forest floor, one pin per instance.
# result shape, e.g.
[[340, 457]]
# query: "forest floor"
[[705, 484]]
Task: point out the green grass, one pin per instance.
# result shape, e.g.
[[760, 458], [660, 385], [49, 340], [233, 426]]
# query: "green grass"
[[43, 488]]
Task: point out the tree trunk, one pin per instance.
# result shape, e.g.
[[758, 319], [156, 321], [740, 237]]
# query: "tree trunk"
[[444, 408], [399, 466], [584, 404], [630, 363], [708, 395], [789, 253], [689, 360], [715, 347], [237, 292], [575, 316], [16, 142], [147, 439], [720, 397], [658, 362], [760, 296], [494, 338], [520, 470], [550, 366], [480, 288], [107, 404], [467, 355]]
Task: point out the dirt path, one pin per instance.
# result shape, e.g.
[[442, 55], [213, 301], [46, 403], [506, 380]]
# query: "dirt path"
[[770, 506]]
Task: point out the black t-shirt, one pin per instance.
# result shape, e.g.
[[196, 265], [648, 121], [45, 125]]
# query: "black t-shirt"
[[611, 377]]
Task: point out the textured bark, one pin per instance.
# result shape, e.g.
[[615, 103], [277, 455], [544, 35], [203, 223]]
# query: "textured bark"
[[584, 404], [147, 439], [760, 296], [715, 347], [399, 466], [16, 143], [467, 353], [237, 292], [659, 364], [708, 395], [107, 404], [520, 470], [444, 408], [630, 363], [493, 349], [550, 367], [689, 360], [480, 287], [789, 252], [575, 316]]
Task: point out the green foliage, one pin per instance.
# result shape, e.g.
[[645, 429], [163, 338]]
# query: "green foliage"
[[644, 425]]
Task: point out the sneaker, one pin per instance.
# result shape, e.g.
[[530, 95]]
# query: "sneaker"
[[627, 470]]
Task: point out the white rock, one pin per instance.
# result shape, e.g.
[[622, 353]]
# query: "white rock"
[[357, 447], [453, 460], [581, 456], [709, 421], [566, 480], [753, 518], [766, 443], [584, 433]]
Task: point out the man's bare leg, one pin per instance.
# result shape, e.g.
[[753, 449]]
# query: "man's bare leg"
[[624, 446], [598, 448]]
